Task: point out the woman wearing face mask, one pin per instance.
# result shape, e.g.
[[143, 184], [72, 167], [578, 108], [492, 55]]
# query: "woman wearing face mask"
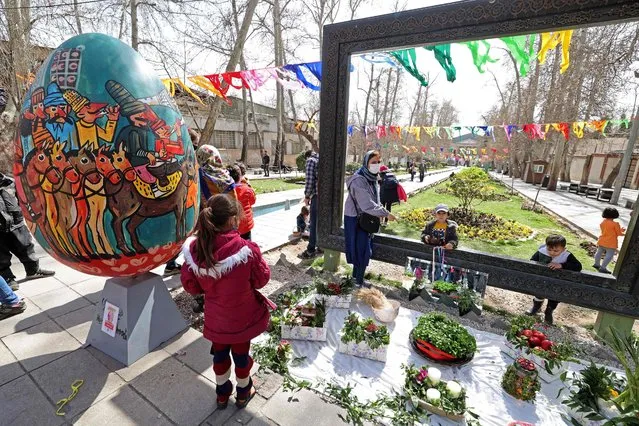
[[363, 198]]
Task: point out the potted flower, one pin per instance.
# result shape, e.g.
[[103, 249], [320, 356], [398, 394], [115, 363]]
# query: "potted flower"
[[418, 284], [305, 322], [521, 380], [446, 293], [467, 302], [364, 338], [442, 339], [425, 387], [335, 294], [527, 337]]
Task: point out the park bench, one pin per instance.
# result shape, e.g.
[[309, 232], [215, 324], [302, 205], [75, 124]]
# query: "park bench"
[[591, 190], [574, 187], [605, 194], [564, 186]]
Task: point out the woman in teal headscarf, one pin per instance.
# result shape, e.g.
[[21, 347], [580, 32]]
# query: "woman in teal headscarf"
[[363, 197]]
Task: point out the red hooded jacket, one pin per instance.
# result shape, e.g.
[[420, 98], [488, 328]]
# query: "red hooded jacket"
[[234, 311], [246, 197]]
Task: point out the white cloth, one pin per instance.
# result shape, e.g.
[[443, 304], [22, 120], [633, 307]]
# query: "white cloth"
[[481, 377]]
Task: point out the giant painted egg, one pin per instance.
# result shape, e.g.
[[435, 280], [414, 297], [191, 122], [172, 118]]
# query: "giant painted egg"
[[105, 169]]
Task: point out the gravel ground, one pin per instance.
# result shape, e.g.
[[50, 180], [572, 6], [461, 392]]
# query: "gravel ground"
[[572, 323]]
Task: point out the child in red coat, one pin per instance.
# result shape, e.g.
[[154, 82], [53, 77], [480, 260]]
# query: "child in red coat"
[[228, 270]]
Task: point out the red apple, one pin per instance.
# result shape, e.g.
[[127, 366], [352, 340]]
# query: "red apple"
[[539, 334], [534, 341], [527, 333], [546, 345]]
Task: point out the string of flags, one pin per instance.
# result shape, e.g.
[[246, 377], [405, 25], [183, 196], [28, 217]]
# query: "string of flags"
[[532, 131], [309, 74]]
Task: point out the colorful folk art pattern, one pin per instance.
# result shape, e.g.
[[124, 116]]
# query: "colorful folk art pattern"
[[105, 168]]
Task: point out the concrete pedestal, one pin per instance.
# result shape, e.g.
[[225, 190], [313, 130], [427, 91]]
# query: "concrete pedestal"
[[605, 321], [331, 260], [147, 317]]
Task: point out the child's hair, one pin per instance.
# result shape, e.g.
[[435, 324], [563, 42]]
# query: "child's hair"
[[235, 173], [305, 210], [555, 240], [213, 218], [610, 213], [242, 167]]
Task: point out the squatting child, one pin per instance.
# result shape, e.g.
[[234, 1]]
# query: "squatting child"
[[608, 242], [228, 270], [555, 255], [301, 221]]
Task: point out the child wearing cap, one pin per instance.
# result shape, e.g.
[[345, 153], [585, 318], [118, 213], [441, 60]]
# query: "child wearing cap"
[[442, 231]]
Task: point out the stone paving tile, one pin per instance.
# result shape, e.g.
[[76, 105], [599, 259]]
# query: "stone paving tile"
[[219, 417], [40, 344], [32, 316], [78, 323], [306, 408], [24, 404], [60, 301], [63, 273], [91, 288], [9, 367], [261, 420], [169, 384], [39, 286], [245, 415], [129, 373], [267, 383], [123, 407], [55, 380]]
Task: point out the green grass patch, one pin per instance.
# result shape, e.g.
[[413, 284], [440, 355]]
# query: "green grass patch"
[[264, 186], [541, 223]]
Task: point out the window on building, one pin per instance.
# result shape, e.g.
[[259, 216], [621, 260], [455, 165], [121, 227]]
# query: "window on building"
[[254, 142], [224, 139]]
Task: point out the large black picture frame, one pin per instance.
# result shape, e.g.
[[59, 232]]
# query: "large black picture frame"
[[462, 21]]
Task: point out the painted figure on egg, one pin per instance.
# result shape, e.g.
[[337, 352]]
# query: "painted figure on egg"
[[99, 170]]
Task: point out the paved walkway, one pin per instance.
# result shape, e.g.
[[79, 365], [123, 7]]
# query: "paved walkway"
[[43, 351], [274, 229], [583, 213]]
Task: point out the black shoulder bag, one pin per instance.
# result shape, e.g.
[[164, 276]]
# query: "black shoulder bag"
[[367, 222]]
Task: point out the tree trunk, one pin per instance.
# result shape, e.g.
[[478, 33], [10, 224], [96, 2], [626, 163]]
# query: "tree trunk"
[[280, 145], [18, 15], [610, 180], [392, 107], [585, 174], [134, 24], [245, 124], [260, 138], [216, 105], [557, 163], [76, 12], [386, 95]]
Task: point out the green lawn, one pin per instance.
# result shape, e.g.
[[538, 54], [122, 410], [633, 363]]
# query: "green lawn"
[[542, 224], [263, 186]]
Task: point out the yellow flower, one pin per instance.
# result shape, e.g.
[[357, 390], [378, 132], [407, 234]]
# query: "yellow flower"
[[613, 393]]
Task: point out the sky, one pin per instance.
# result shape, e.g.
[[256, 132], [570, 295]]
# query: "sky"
[[473, 93]]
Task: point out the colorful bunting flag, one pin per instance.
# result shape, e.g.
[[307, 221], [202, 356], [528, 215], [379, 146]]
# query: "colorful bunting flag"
[[408, 59], [549, 41]]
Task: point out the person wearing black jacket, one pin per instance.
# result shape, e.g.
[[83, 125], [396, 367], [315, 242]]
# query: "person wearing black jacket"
[[388, 194], [555, 255], [15, 237], [441, 231]]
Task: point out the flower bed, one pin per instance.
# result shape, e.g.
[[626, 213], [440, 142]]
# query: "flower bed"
[[305, 322], [441, 339], [474, 225], [521, 380], [335, 295], [363, 338], [526, 337], [446, 399]]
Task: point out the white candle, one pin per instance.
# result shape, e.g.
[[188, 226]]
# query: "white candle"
[[433, 396], [454, 389], [434, 375]]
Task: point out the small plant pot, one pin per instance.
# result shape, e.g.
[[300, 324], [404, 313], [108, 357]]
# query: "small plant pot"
[[413, 294], [447, 300]]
